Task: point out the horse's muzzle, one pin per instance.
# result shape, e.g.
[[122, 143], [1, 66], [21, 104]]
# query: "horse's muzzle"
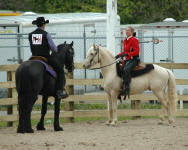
[[86, 66]]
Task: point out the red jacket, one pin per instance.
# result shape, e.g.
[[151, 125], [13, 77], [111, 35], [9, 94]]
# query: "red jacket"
[[128, 45]]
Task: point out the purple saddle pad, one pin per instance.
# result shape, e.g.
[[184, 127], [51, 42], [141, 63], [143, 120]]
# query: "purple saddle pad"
[[48, 69]]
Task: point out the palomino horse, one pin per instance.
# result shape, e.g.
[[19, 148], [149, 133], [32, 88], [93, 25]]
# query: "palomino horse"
[[157, 80]]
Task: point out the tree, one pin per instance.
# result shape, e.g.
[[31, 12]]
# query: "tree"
[[130, 11]]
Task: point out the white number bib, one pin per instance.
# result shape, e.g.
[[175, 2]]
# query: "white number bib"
[[37, 39]]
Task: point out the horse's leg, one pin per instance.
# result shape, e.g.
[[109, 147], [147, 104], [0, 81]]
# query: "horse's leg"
[[114, 108], [40, 125], [169, 110], [22, 115], [109, 109], [56, 115], [162, 98], [162, 115], [31, 99], [25, 103]]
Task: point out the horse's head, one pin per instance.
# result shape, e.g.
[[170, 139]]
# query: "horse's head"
[[66, 52], [92, 57]]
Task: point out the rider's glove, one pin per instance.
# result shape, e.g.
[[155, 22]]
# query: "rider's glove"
[[117, 56], [123, 55]]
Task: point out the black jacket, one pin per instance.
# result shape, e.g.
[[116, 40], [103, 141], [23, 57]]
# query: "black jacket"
[[39, 43]]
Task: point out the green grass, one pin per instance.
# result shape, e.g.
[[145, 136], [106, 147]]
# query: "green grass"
[[61, 120], [37, 107], [89, 107], [3, 124], [104, 106], [100, 106], [82, 119]]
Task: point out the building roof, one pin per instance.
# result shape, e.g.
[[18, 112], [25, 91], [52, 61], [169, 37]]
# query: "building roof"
[[26, 18], [135, 26], [165, 24]]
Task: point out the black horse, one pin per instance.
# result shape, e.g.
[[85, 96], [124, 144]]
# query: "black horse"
[[32, 79]]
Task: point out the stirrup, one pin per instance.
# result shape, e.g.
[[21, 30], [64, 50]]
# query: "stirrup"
[[61, 94]]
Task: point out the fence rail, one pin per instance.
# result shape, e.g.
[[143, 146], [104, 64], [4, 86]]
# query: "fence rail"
[[69, 112]]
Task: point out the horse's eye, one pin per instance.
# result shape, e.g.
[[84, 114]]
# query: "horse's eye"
[[91, 54]]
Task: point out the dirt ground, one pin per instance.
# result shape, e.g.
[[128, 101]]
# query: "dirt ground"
[[143, 134]]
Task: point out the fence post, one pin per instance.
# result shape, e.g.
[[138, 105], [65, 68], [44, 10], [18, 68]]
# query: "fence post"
[[69, 106], [181, 105], [12, 109], [135, 104]]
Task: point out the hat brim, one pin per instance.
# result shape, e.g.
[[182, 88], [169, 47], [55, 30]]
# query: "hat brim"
[[47, 21], [34, 22]]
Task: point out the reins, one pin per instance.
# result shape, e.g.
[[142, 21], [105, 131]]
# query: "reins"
[[104, 65]]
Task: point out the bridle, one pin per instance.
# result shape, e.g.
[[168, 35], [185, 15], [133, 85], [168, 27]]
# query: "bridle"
[[97, 54], [69, 66]]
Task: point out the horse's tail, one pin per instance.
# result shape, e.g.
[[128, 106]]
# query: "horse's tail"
[[172, 95], [23, 81]]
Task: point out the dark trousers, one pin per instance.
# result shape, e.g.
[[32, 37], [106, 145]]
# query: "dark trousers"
[[129, 65], [59, 70]]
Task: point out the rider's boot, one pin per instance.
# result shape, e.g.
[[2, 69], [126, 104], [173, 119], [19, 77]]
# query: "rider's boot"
[[61, 92], [127, 90]]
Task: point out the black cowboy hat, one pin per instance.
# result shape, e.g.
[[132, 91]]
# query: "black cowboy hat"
[[40, 21]]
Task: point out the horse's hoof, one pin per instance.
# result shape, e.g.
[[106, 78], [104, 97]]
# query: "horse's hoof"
[[171, 121], [160, 122], [40, 127], [108, 122], [114, 123], [58, 128], [19, 130], [30, 131]]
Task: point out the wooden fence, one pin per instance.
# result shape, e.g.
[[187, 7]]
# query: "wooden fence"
[[69, 113]]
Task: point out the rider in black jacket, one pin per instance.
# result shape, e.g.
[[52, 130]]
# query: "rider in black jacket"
[[41, 43]]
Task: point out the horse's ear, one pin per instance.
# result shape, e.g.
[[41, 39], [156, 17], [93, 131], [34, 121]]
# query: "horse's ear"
[[94, 46], [64, 42], [72, 43]]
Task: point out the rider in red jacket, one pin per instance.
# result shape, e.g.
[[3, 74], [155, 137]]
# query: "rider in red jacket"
[[131, 54], [130, 47]]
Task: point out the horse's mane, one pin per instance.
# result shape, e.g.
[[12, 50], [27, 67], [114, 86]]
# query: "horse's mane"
[[55, 54], [104, 49], [60, 46]]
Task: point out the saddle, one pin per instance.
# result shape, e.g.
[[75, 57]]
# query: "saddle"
[[139, 70], [39, 58], [44, 61]]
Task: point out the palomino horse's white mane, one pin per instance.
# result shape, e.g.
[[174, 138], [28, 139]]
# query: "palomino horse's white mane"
[[104, 49]]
